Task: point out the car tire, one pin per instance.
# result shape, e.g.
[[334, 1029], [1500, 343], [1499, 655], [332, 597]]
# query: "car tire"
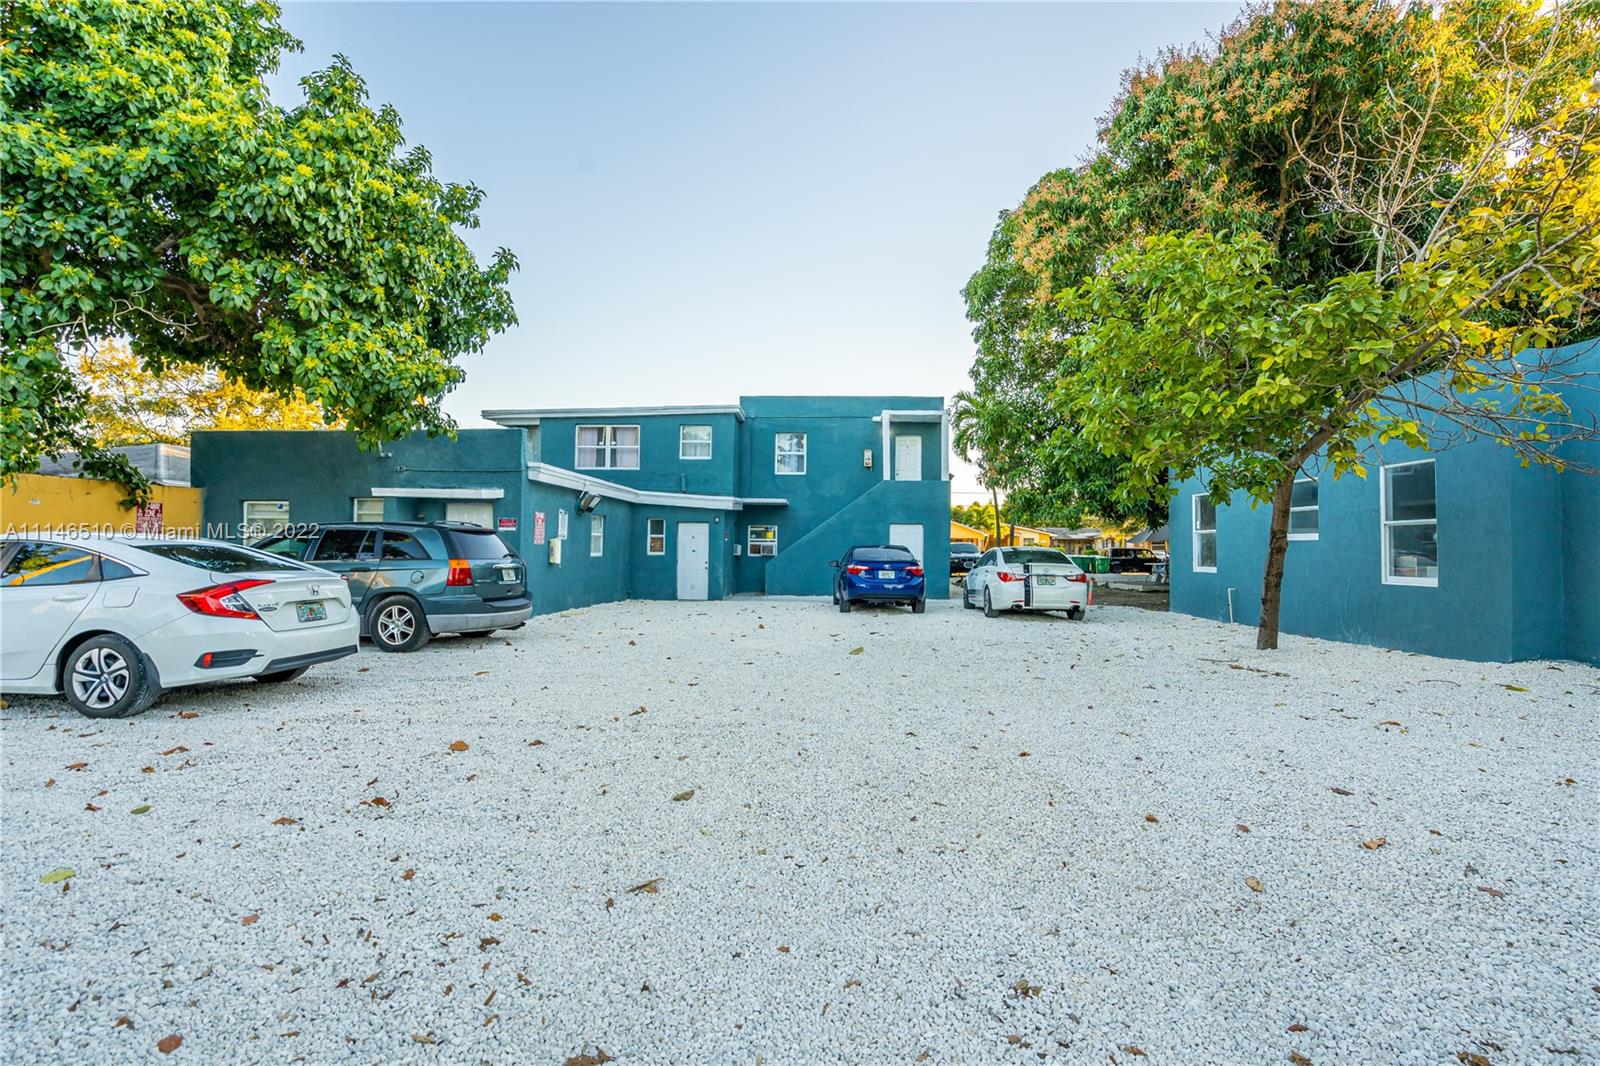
[[278, 677], [107, 677], [397, 624], [844, 605], [918, 606], [966, 599], [988, 606], [1076, 614], [836, 595]]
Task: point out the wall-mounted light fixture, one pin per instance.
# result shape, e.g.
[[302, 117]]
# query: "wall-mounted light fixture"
[[866, 458]]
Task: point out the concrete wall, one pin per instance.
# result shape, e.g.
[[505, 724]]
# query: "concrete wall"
[[1519, 560], [33, 502], [554, 441], [801, 568]]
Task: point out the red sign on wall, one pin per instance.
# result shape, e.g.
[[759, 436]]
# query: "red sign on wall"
[[508, 525], [538, 527], [147, 519]]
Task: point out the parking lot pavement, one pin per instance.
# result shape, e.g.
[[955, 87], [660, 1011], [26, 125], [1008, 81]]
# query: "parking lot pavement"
[[719, 832]]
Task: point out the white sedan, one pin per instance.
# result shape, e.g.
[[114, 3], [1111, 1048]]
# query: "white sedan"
[[1027, 579], [111, 622]]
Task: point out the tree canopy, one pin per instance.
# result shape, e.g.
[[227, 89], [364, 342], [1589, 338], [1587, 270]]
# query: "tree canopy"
[[154, 192]]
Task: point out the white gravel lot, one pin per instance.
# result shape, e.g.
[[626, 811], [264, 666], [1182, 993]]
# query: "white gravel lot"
[[1012, 841]]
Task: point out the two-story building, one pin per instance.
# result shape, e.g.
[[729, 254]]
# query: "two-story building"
[[692, 502]]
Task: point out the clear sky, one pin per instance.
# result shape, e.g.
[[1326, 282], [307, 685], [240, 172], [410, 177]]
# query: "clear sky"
[[711, 200]]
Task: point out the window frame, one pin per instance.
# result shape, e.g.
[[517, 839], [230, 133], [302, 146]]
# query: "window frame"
[[650, 536], [707, 442], [1317, 507], [1387, 524], [597, 536], [751, 544], [1196, 532], [778, 453], [92, 577], [608, 447], [248, 530], [355, 508]]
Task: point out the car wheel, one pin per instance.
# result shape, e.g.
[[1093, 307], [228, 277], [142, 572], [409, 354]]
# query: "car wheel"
[[988, 606], [918, 606], [966, 599], [278, 677], [107, 677], [1076, 614], [397, 624], [844, 605]]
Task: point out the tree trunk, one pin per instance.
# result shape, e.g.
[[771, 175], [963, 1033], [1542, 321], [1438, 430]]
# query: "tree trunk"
[[996, 490], [1277, 549]]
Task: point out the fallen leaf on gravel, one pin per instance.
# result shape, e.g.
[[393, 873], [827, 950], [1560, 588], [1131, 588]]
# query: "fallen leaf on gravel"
[[1509, 688], [250, 919], [1024, 990], [1491, 890], [1298, 1028], [168, 1044], [480, 673], [1341, 791], [1152, 819], [50, 782], [284, 821], [922, 1057], [363, 669], [534, 743], [148, 770], [1299, 1059], [1241, 827], [77, 766], [1387, 721], [494, 916], [56, 876], [424, 1038], [188, 714], [1130, 1049], [90, 807], [179, 750], [641, 710], [487, 942], [1472, 1058], [1375, 843], [783, 949], [408, 875], [651, 886], [687, 794], [853, 983], [378, 801], [458, 745], [122, 1021], [585, 1059], [1254, 884], [610, 903], [1013, 1038]]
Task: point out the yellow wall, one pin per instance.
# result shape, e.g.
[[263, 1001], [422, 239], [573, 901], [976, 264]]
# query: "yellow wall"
[[36, 502]]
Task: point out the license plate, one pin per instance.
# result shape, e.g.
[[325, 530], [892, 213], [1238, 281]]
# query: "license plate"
[[1044, 579], [508, 575], [311, 612], [886, 575]]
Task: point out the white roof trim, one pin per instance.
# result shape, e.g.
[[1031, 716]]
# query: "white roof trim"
[[911, 416], [422, 493], [531, 416], [571, 479]]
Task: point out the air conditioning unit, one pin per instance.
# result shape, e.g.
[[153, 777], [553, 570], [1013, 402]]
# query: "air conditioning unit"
[[587, 501]]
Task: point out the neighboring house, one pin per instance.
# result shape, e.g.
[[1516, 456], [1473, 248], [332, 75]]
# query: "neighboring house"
[[1073, 541], [163, 464], [1019, 536], [58, 497], [1154, 539], [1460, 552], [647, 502], [960, 531]]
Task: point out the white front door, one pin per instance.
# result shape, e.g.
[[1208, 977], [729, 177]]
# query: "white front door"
[[908, 457], [907, 537], [478, 512], [694, 560]]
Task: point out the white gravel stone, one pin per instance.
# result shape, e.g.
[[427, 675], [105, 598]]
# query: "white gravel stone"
[[873, 814]]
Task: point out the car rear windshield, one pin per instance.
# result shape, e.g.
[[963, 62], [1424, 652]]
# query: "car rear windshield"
[[477, 545], [218, 558], [882, 555], [961, 547], [1035, 555]]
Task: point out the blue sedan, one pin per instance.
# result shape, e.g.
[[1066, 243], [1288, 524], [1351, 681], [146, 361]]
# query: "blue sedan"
[[879, 573]]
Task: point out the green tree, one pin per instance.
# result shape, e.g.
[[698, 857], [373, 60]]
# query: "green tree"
[[154, 192], [1441, 223], [973, 432]]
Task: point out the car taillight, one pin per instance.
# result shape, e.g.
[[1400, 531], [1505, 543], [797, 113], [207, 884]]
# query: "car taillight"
[[460, 573], [1082, 579], [222, 601], [855, 568], [1011, 575], [914, 571]]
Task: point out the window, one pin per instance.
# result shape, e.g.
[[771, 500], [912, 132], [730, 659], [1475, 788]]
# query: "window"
[[763, 540], [401, 546], [37, 564], [608, 447], [344, 545], [218, 558], [111, 570], [597, 534], [286, 546], [477, 544], [1410, 524], [655, 536], [1205, 535], [694, 442], [1303, 517], [368, 509], [791, 448], [264, 516]]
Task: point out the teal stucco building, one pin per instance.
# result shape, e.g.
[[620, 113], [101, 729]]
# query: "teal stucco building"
[[1460, 552], [690, 502]]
